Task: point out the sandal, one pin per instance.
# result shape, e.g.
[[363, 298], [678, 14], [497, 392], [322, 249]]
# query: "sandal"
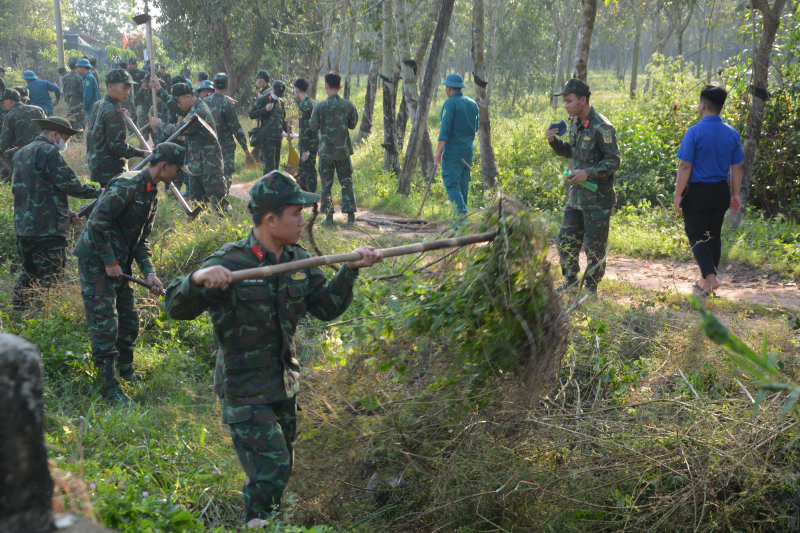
[[700, 293]]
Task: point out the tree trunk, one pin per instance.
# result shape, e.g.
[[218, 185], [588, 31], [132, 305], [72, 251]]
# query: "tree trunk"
[[635, 59], [402, 122], [488, 162], [496, 25], [558, 79], [771, 16], [369, 104], [326, 43], [710, 59], [391, 158], [430, 82], [581, 63], [350, 43]]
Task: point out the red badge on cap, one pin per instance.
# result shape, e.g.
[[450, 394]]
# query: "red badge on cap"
[[586, 123], [258, 252], [149, 186]]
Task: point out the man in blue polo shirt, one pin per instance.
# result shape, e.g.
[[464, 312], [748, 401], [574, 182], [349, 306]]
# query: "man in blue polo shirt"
[[459, 122], [39, 92], [91, 91], [709, 152]]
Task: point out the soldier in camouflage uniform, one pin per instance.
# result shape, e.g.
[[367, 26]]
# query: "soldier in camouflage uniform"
[[594, 157], [332, 119], [229, 130], [204, 153], [114, 236], [18, 130], [130, 103], [136, 73], [270, 112], [106, 139], [257, 371], [73, 94], [309, 140], [42, 182]]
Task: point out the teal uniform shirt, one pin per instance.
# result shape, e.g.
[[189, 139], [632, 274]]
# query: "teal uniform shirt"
[[459, 122], [91, 92]]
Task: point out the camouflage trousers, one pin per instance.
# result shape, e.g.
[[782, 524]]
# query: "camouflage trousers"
[[229, 163], [270, 155], [112, 319], [263, 436], [308, 171], [210, 188], [6, 169], [76, 119], [344, 170], [587, 229], [43, 260]]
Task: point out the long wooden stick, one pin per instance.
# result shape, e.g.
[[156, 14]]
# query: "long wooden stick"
[[178, 196], [427, 190], [141, 282], [266, 271]]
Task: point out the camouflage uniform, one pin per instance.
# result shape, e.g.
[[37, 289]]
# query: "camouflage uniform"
[[203, 153], [106, 145], [116, 232], [272, 124], [332, 118], [42, 182], [308, 142], [18, 130], [257, 371], [73, 96], [592, 147], [228, 128]]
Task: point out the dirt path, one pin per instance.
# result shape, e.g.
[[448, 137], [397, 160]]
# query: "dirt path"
[[740, 283]]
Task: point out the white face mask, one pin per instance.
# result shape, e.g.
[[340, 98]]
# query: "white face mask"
[[62, 144]]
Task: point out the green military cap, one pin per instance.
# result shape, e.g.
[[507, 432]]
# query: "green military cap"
[[73, 61], [220, 80], [576, 87], [119, 75], [202, 75], [279, 87], [276, 189], [262, 75], [171, 153], [61, 70], [55, 123], [22, 92], [179, 89], [11, 94], [123, 65]]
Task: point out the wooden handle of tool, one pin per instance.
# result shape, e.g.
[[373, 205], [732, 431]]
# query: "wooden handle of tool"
[[266, 271], [136, 131], [142, 283], [152, 56], [427, 190]]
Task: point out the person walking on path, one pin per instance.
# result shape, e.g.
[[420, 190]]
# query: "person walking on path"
[[710, 152], [459, 123], [593, 152], [308, 141], [257, 372], [39, 92], [331, 120]]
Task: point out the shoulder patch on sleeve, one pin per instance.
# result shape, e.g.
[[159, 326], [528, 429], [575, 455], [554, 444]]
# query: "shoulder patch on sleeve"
[[87, 83], [607, 137]]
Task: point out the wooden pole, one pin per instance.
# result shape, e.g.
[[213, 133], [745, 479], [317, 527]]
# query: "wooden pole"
[[151, 53], [59, 40], [266, 271]]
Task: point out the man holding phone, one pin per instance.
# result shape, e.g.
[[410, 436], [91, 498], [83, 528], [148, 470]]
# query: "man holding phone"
[[594, 158]]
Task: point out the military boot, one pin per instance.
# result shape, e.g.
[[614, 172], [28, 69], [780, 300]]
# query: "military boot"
[[117, 396], [568, 285], [328, 220], [351, 219]]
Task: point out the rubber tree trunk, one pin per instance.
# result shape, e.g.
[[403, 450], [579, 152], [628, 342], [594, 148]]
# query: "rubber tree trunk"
[[558, 79], [755, 119], [488, 162], [580, 65], [637, 41], [391, 158], [350, 43], [429, 83], [402, 122], [369, 104]]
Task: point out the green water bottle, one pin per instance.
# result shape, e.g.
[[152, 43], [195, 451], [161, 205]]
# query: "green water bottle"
[[591, 186]]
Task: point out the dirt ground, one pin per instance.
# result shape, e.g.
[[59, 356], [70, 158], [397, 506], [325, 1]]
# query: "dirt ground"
[[740, 283]]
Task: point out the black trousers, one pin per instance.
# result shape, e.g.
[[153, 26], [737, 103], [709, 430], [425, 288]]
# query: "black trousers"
[[704, 208]]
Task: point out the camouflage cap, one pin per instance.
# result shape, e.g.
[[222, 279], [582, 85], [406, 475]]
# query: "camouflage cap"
[[179, 89], [55, 123], [61, 70], [276, 189], [202, 75], [73, 61], [11, 94], [132, 61], [279, 87], [119, 75], [262, 75], [171, 153], [123, 65], [220, 80], [576, 87], [22, 92]]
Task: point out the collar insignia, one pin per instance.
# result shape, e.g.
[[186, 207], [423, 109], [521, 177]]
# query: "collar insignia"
[[258, 252], [149, 186], [586, 123]]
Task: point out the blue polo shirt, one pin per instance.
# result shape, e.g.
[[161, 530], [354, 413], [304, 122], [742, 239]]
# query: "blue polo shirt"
[[459, 122], [91, 92], [711, 146], [39, 94]]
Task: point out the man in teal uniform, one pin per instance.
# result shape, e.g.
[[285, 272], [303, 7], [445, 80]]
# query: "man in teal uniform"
[[91, 90], [459, 122]]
